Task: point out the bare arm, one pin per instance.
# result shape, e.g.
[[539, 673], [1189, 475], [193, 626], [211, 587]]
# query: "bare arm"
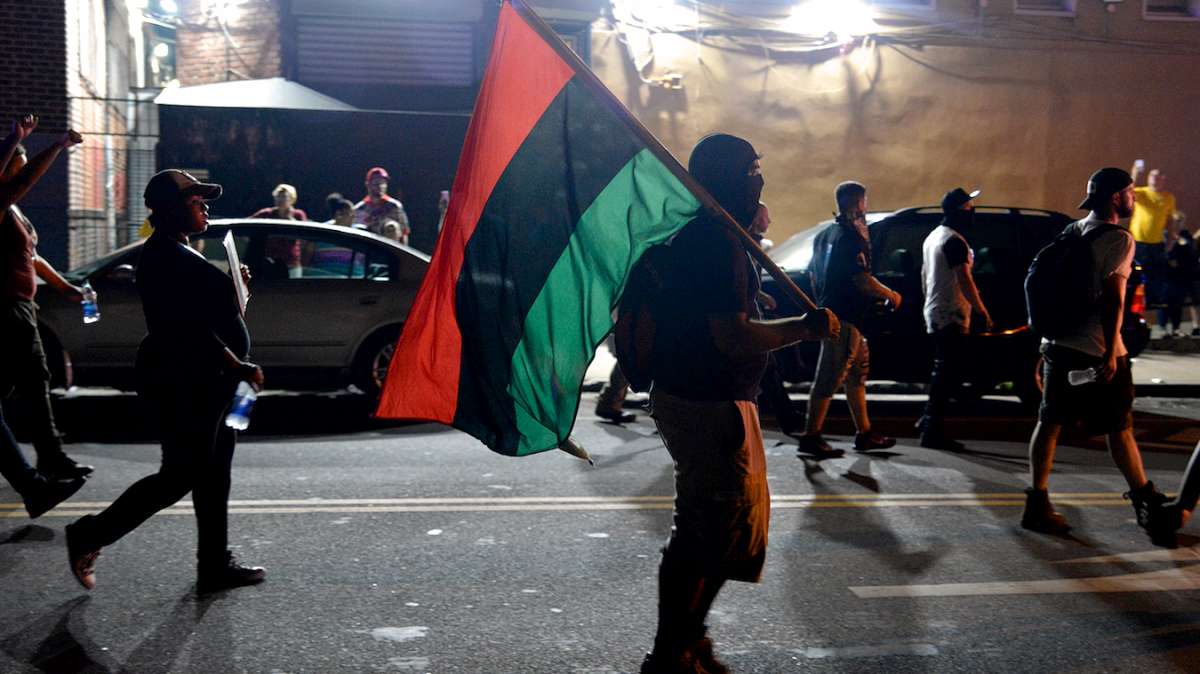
[[50, 275], [12, 191], [1112, 314], [967, 282], [869, 285], [1136, 172], [738, 335]]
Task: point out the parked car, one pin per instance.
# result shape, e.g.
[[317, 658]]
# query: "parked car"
[[1005, 241], [325, 318]]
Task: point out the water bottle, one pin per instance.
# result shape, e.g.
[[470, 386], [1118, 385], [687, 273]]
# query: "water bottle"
[[91, 311], [243, 401], [1080, 377]]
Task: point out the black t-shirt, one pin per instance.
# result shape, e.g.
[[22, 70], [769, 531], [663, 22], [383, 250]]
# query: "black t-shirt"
[[839, 254], [956, 252], [704, 271]]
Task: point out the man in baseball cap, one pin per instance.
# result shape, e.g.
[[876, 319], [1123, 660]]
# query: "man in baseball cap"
[[170, 187], [1102, 185], [377, 208]]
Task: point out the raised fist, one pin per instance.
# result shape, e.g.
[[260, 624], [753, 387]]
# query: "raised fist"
[[23, 126]]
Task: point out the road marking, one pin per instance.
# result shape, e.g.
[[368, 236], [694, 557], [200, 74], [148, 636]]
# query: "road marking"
[[1166, 580], [594, 503]]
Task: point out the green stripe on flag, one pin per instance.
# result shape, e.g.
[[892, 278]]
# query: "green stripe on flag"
[[643, 205]]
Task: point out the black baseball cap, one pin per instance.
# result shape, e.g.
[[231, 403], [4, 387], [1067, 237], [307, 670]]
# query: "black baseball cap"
[[171, 186], [956, 197], [1103, 184]]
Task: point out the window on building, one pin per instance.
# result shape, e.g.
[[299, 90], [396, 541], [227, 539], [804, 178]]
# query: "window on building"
[[1171, 10], [1046, 7]]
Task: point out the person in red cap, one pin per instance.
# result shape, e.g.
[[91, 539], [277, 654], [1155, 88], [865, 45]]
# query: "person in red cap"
[[377, 207], [188, 366]]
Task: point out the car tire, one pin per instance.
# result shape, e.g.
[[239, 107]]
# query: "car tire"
[[373, 358]]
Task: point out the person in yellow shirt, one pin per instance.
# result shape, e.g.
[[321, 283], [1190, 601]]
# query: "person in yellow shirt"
[[1154, 230]]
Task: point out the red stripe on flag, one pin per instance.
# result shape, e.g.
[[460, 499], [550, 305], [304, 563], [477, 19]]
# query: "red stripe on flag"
[[523, 76]]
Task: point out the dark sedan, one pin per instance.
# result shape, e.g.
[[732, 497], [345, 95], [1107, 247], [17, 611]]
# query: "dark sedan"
[[1005, 241], [326, 307]]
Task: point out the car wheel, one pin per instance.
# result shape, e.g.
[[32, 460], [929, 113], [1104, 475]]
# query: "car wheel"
[[374, 358]]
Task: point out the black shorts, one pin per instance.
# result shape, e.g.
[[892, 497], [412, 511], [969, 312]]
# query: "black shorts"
[[1097, 408]]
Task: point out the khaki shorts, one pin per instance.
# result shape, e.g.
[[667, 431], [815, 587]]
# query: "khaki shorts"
[[843, 360], [722, 503]]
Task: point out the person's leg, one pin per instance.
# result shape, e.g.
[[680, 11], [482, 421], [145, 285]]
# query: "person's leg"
[[1189, 485], [943, 384], [610, 402], [13, 465], [774, 396], [857, 369], [818, 409], [1042, 446], [829, 375], [1125, 453]]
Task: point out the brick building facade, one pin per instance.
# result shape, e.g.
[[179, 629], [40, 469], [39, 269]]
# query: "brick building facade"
[[220, 41]]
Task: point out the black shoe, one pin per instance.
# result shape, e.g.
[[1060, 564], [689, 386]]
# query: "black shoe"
[[942, 442], [684, 662], [815, 446], [702, 651], [81, 555], [865, 442], [227, 574], [1149, 506], [1040, 516], [44, 494], [63, 467], [615, 416]]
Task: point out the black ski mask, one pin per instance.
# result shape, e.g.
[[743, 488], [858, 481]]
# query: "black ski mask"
[[722, 163], [961, 219]]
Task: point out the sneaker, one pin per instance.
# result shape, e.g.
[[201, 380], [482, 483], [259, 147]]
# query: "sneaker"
[[1040, 516], [1148, 505], [684, 662], [63, 467], [1170, 520], [44, 494], [227, 574], [865, 442], [615, 416], [815, 446], [941, 441], [81, 556]]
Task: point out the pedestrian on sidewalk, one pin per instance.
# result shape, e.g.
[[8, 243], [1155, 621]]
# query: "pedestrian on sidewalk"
[[1153, 226], [1103, 406], [23, 361], [842, 281], [948, 282], [709, 349], [22, 358], [1183, 269], [188, 367]]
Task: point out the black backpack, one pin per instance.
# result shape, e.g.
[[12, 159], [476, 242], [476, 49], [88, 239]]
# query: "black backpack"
[[1058, 289]]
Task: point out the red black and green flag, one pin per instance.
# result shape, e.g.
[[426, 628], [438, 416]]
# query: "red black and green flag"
[[559, 191]]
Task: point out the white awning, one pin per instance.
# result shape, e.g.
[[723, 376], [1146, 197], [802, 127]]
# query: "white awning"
[[274, 92]]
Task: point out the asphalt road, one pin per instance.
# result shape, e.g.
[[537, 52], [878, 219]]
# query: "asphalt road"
[[414, 549]]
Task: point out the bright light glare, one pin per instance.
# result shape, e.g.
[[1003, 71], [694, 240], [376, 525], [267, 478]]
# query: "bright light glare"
[[162, 50], [169, 6], [659, 13], [842, 18]]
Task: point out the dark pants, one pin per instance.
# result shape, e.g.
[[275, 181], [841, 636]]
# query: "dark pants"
[[23, 371], [949, 347], [774, 397], [13, 465], [1153, 258], [197, 457]]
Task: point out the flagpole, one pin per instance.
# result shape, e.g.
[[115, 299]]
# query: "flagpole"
[[663, 154]]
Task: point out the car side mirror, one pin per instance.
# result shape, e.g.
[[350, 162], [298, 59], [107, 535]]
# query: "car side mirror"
[[122, 273]]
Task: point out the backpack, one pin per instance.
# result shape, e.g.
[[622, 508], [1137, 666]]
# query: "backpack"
[[633, 334], [1059, 291]]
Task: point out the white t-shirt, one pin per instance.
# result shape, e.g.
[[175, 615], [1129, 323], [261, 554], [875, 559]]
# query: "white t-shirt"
[[946, 304], [1112, 253]]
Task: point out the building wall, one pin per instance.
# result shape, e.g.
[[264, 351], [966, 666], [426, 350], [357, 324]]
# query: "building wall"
[[244, 42], [1026, 118], [33, 63]]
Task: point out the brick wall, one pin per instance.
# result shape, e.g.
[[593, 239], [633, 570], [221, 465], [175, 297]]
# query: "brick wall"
[[252, 49], [33, 61]]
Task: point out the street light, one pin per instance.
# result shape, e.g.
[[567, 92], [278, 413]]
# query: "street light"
[[841, 19], [168, 7]]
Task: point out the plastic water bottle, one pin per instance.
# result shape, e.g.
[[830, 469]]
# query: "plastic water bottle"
[[1080, 377], [243, 401], [91, 311]]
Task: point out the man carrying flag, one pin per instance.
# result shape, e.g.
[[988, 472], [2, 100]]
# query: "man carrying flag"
[[709, 352]]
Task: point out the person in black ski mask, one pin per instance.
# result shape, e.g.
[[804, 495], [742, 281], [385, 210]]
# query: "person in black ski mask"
[[950, 296], [709, 350]]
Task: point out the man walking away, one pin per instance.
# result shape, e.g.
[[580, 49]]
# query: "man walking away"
[[950, 296], [1103, 406], [842, 281], [709, 350]]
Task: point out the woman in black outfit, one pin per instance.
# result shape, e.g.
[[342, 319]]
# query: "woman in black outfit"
[[188, 367]]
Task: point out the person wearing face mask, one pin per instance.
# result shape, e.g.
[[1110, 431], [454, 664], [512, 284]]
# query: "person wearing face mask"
[[842, 281], [950, 297], [709, 351]]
